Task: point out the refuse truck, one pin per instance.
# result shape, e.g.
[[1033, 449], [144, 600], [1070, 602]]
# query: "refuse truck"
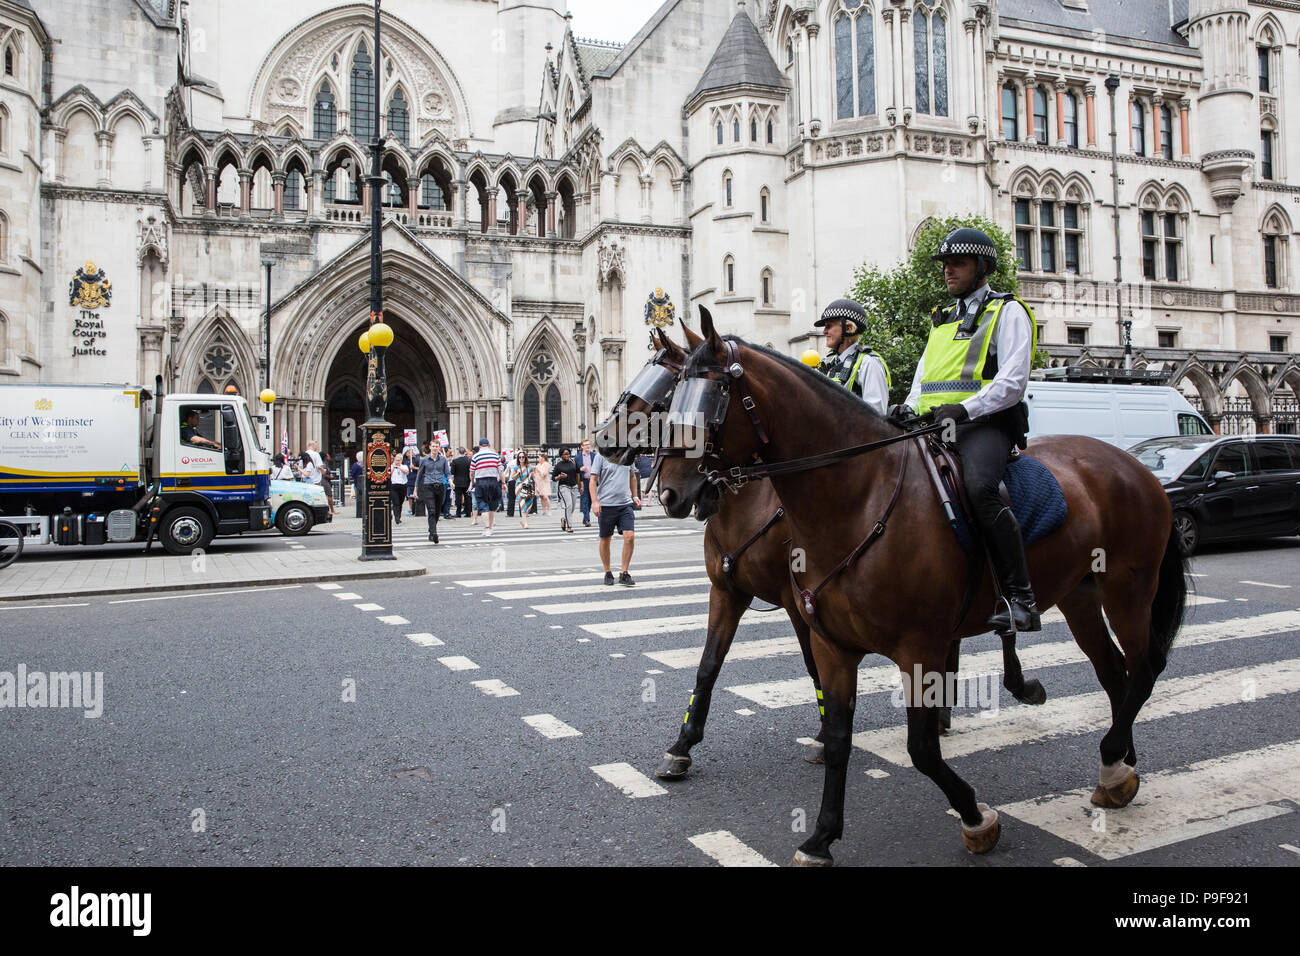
[[89, 465]]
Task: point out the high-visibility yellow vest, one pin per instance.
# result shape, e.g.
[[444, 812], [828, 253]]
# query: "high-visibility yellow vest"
[[955, 363], [857, 366]]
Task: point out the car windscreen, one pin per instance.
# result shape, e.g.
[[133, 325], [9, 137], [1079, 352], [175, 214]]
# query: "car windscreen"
[[1168, 457]]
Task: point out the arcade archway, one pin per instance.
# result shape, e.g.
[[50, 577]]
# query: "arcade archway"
[[417, 392]]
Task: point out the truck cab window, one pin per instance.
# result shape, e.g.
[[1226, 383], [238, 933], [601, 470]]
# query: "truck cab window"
[[199, 427]]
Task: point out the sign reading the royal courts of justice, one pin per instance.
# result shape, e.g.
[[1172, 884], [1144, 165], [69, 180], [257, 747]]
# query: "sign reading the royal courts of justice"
[[90, 290]]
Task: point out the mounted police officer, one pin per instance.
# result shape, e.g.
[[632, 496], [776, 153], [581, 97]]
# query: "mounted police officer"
[[974, 371], [849, 362]]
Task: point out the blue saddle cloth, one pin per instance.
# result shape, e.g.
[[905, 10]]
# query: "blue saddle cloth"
[[1036, 500]]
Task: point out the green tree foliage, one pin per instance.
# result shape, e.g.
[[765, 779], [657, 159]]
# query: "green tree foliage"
[[899, 300]]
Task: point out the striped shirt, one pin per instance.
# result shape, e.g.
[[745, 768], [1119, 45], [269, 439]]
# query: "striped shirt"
[[486, 463]]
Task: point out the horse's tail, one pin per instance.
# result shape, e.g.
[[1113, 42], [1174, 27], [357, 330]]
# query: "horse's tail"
[[1170, 604]]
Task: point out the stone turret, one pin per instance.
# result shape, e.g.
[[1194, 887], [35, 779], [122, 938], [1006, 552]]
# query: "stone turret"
[[1227, 134], [524, 28]]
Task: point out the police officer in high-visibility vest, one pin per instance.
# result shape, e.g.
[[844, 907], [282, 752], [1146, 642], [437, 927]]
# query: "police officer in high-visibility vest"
[[974, 371], [849, 362]]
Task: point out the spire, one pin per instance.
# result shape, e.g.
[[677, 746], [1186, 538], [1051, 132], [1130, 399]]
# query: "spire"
[[741, 59]]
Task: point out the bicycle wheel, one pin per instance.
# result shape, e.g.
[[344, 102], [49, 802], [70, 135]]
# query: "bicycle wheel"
[[11, 543]]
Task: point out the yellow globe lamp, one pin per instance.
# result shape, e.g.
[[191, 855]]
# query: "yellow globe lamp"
[[267, 396], [363, 343], [381, 335], [812, 358]]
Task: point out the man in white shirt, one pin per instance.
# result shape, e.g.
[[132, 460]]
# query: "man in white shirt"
[[974, 373]]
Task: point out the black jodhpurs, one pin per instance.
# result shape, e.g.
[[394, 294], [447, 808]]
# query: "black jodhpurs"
[[433, 494], [984, 451]]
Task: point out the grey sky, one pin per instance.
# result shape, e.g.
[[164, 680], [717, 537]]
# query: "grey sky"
[[617, 20]]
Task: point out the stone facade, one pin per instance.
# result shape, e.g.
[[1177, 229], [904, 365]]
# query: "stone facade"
[[744, 157]]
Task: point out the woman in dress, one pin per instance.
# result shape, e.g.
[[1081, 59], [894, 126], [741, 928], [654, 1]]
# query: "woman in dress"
[[542, 483], [523, 487]]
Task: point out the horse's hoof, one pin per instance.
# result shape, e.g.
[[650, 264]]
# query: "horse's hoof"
[[1118, 786], [984, 837], [1032, 693], [816, 753], [945, 719], [673, 767], [807, 859]]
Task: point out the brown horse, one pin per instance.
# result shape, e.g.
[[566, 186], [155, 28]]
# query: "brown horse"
[[744, 554], [887, 575]]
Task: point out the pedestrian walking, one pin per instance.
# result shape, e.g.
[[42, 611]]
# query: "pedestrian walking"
[[432, 480], [317, 473], [542, 483], [515, 473], [359, 482], [486, 466], [614, 492], [644, 466], [583, 461], [282, 470], [451, 491], [566, 487], [397, 489], [411, 458], [525, 489], [460, 482]]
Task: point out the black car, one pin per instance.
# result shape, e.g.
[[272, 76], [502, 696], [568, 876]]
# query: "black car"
[[1227, 487]]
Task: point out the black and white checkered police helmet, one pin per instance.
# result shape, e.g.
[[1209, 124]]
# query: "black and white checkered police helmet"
[[969, 242], [844, 309]]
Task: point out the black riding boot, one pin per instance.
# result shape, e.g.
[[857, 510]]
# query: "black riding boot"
[[1008, 551]]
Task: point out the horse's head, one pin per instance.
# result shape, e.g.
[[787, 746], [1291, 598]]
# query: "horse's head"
[[629, 431], [704, 421]]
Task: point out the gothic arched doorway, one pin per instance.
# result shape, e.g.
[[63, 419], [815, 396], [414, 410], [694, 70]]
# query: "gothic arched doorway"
[[417, 393]]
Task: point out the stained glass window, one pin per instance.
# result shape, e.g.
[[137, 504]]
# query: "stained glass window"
[[921, 48], [324, 117], [399, 125], [363, 95], [940, 64], [554, 422], [843, 67], [532, 417], [866, 66]]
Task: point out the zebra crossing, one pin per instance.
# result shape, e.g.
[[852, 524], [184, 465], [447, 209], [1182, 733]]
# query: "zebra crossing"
[[1233, 658], [412, 534]]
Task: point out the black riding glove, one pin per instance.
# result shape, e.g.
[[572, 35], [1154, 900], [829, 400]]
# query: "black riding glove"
[[901, 415], [941, 413]]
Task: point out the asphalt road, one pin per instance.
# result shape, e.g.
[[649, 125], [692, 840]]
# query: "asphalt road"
[[343, 725]]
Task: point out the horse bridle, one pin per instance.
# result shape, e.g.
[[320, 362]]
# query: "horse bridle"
[[654, 385], [713, 402]]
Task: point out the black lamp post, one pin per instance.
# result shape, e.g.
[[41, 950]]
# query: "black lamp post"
[[267, 395], [377, 527], [1112, 84]]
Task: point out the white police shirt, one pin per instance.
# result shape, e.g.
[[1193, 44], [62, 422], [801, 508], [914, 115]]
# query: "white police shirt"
[[1012, 344]]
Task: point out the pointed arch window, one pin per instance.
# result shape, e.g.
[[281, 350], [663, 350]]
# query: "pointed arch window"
[[292, 191], [324, 114], [1265, 69], [930, 51], [554, 417], [431, 195], [1275, 251], [735, 129], [719, 132], [727, 188], [768, 291], [532, 416], [1266, 141], [855, 60], [4, 239], [753, 129], [764, 206], [9, 60], [362, 88], [399, 123], [729, 275], [771, 132]]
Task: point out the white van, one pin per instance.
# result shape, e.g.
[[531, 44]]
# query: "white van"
[[1122, 415]]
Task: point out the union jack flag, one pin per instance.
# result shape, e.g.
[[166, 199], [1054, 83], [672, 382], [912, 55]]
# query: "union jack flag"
[[284, 443]]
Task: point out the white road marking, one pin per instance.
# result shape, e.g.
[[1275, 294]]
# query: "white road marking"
[[1265, 584], [594, 588], [329, 587], [584, 640], [393, 619], [875, 773], [652, 670], [203, 594], [1289, 848], [557, 627], [368, 607], [628, 779], [619, 604], [618, 655], [1175, 805], [348, 596], [740, 651], [570, 576], [495, 688], [795, 692], [1068, 861], [38, 607], [645, 627], [728, 850], [424, 640], [550, 726], [458, 663], [1087, 713], [745, 712]]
